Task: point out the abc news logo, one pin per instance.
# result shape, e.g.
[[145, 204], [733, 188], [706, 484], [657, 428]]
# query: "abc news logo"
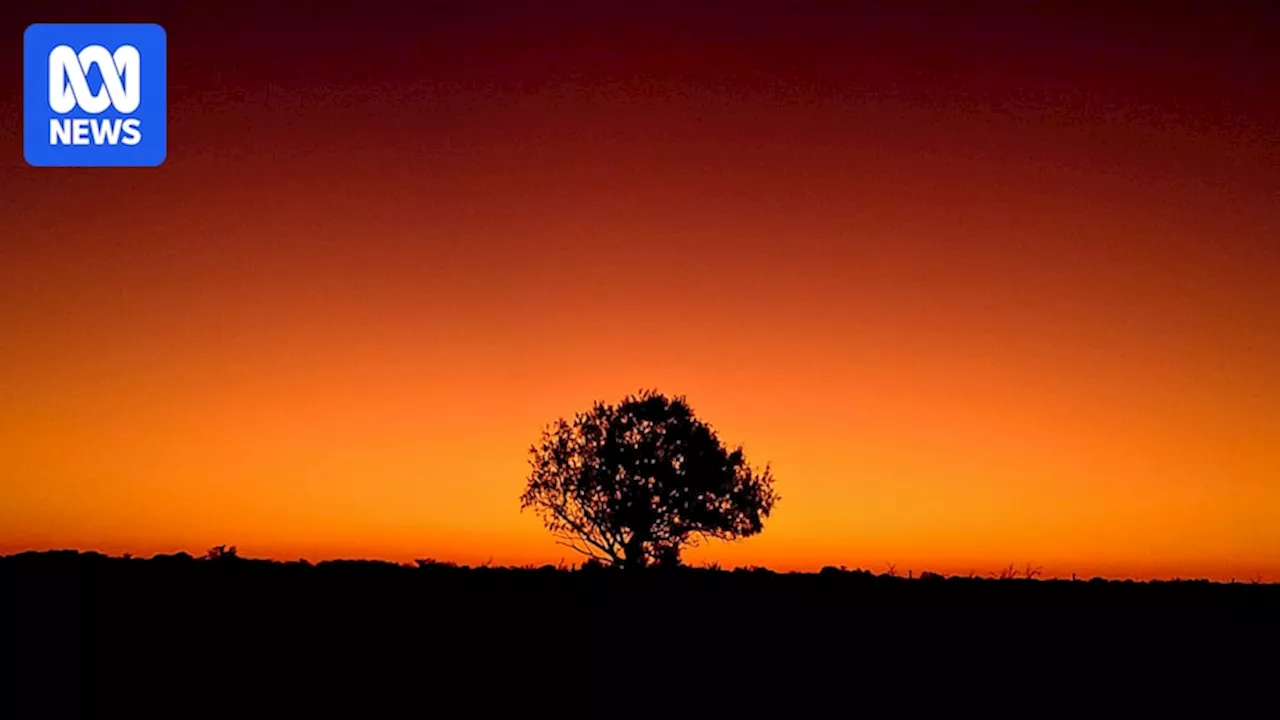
[[94, 95], [69, 89]]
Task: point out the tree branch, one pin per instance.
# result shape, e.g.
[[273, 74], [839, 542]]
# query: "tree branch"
[[584, 534], [584, 551]]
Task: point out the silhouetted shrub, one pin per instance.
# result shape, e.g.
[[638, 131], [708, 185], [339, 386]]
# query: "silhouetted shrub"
[[221, 552], [432, 563]]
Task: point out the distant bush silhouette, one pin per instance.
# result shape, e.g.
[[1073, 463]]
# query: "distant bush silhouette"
[[427, 563], [1030, 572], [634, 484], [221, 552]]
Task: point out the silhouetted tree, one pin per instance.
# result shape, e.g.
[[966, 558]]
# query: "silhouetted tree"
[[634, 484]]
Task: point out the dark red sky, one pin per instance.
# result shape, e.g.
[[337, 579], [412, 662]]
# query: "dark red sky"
[[978, 278]]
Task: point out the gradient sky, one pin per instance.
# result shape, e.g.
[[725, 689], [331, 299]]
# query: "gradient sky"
[[983, 286]]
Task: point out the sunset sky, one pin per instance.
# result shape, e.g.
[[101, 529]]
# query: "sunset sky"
[[982, 286]]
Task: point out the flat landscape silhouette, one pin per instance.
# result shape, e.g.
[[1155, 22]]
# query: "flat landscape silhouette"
[[93, 633]]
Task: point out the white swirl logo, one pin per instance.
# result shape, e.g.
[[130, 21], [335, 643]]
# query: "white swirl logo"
[[69, 85]]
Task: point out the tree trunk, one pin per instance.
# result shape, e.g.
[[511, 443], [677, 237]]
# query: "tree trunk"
[[633, 552], [669, 556]]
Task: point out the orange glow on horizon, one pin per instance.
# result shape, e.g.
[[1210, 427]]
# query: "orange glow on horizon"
[[334, 321]]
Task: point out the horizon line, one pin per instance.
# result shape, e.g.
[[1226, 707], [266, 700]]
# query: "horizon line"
[[1028, 572]]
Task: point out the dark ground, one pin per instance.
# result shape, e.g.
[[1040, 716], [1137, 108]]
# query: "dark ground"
[[87, 635]]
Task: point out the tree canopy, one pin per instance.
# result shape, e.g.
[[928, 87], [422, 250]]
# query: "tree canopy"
[[633, 484]]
